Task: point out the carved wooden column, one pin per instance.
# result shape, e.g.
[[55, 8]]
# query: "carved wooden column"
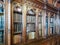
[[24, 11], [12, 24], [49, 24], [9, 17], [6, 22], [44, 23], [37, 32]]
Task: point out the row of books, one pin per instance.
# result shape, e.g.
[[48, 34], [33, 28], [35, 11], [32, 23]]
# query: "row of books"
[[31, 19], [17, 17], [18, 27]]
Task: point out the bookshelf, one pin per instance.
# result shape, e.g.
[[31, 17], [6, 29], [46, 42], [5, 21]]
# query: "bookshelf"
[[29, 23], [17, 17], [31, 19], [17, 22]]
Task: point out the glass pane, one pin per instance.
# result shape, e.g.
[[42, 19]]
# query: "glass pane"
[[52, 24], [40, 23], [31, 19], [1, 24], [30, 27]]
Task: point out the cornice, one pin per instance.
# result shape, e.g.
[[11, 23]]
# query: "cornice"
[[40, 4]]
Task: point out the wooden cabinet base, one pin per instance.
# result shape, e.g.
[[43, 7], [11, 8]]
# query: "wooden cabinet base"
[[47, 41]]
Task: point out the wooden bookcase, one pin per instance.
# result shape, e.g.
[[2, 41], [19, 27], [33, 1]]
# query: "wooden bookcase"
[[40, 23], [28, 23]]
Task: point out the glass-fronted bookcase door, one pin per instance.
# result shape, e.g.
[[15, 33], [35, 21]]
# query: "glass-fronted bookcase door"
[[31, 19], [52, 24], [17, 22], [1, 22]]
